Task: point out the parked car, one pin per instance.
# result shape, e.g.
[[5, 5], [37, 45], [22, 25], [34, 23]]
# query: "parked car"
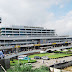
[[45, 58], [1, 55], [24, 57], [28, 64], [37, 57]]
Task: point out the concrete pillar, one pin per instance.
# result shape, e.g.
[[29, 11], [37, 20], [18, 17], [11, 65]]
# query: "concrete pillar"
[[28, 48], [17, 50], [54, 46], [12, 50], [34, 46]]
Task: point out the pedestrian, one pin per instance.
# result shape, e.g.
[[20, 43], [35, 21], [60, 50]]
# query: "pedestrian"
[[46, 63], [43, 61], [56, 61]]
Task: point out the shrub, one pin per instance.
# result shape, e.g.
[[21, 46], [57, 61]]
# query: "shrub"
[[27, 68]]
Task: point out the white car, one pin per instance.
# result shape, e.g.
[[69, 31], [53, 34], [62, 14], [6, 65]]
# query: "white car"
[[45, 58], [28, 64]]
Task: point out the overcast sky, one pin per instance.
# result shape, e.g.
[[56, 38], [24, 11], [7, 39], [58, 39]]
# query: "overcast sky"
[[51, 14]]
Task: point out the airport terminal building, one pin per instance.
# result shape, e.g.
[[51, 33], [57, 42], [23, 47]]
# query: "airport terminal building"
[[27, 37]]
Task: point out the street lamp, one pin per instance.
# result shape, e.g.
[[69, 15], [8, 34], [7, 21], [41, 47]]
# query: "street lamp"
[[34, 43], [54, 67]]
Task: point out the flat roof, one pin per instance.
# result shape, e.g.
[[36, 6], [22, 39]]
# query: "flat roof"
[[27, 27]]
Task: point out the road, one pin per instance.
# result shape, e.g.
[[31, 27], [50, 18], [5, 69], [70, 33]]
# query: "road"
[[50, 62]]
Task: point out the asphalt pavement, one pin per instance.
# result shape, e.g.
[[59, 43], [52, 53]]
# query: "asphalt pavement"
[[50, 62]]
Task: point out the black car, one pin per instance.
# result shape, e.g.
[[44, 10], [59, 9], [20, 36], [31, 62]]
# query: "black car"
[[37, 57]]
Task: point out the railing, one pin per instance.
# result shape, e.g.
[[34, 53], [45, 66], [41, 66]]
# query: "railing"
[[2, 68]]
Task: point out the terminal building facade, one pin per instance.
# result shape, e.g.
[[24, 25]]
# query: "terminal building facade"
[[26, 31], [46, 35], [24, 37]]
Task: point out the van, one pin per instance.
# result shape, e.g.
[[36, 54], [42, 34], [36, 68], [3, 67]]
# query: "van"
[[23, 57]]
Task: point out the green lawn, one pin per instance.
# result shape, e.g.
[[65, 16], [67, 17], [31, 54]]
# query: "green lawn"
[[42, 54], [68, 52], [60, 51], [14, 62], [57, 55], [69, 49], [51, 55]]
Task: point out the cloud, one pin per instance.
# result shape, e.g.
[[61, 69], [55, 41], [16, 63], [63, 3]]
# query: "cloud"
[[30, 12], [63, 25], [61, 6], [66, 23]]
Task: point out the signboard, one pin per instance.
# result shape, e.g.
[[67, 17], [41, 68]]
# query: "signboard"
[[37, 44], [53, 43], [17, 46], [66, 42]]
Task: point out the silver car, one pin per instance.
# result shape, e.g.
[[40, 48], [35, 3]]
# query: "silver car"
[[45, 58]]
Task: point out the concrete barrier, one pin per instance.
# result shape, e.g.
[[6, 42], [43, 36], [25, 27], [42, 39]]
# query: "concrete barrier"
[[5, 63], [55, 70], [58, 67], [62, 65]]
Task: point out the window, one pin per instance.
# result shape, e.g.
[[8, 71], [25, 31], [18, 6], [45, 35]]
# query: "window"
[[22, 29], [2, 28], [15, 29], [8, 28]]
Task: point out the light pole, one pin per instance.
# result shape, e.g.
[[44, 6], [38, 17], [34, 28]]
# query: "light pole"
[[13, 46], [34, 46], [4, 44], [33, 43]]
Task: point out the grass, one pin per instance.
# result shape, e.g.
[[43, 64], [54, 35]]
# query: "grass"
[[42, 54], [69, 52], [69, 49], [60, 51], [14, 62], [27, 68], [50, 55], [58, 55]]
